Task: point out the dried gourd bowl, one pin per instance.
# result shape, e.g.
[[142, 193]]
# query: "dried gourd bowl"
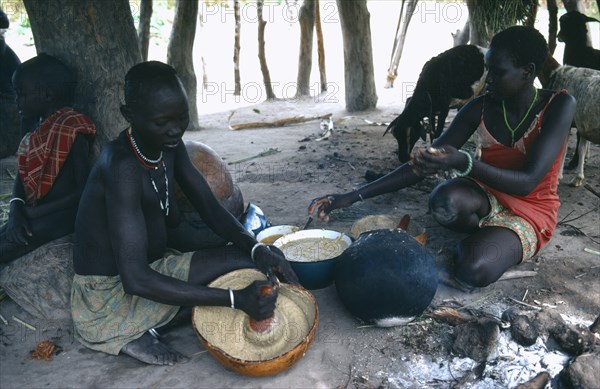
[[312, 255], [382, 222], [227, 335], [271, 234]]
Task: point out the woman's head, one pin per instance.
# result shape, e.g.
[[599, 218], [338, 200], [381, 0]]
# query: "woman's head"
[[523, 45], [156, 105], [43, 84], [513, 61]]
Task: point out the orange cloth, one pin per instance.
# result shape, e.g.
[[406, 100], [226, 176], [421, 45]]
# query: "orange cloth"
[[540, 206], [43, 152]]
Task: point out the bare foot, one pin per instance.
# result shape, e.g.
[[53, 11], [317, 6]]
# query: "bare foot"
[[150, 350]]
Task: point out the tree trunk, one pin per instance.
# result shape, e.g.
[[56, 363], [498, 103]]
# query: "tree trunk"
[[236, 49], [180, 50], [358, 55], [552, 24], [307, 23], [476, 37], [97, 39], [144, 27], [261, 50], [461, 37], [403, 22], [320, 47]]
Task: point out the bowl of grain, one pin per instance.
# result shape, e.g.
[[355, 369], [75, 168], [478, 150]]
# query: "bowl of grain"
[[313, 254]]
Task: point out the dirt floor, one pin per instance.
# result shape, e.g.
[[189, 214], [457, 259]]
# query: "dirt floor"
[[345, 352]]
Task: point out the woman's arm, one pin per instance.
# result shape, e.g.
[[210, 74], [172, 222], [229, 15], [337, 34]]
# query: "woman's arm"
[[460, 130], [80, 163]]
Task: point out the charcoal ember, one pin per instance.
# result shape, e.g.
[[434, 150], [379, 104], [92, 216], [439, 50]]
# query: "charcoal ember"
[[538, 382], [522, 327], [547, 321], [583, 372], [595, 327], [574, 339], [476, 340]]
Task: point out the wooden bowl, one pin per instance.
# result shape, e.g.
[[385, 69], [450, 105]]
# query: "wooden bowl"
[[223, 331]]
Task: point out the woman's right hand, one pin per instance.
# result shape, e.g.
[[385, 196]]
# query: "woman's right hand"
[[324, 205], [255, 302], [17, 229]]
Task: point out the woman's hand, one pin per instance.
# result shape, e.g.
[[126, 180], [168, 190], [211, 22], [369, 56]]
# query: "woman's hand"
[[18, 229], [254, 302], [270, 258], [324, 205], [431, 161]]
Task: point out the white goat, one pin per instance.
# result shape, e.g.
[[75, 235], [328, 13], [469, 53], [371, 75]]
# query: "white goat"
[[584, 85]]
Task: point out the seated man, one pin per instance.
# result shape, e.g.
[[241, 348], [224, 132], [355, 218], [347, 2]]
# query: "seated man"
[[53, 160], [127, 281]]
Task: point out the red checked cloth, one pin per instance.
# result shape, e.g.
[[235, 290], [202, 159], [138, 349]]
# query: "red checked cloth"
[[43, 152]]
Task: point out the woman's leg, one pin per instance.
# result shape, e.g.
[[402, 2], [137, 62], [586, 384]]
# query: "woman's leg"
[[486, 254], [459, 204]]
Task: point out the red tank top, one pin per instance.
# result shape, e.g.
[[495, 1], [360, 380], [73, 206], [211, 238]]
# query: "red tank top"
[[540, 206]]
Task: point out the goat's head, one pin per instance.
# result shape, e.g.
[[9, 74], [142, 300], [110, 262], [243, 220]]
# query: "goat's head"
[[408, 127], [573, 29], [407, 133]]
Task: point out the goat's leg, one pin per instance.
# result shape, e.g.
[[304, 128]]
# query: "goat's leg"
[[582, 149], [562, 160], [441, 122], [575, 159]]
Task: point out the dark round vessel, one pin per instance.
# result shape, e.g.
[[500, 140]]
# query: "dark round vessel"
[[386, 274]]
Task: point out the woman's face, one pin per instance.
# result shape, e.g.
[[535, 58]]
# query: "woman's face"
[[161, 118], [504, 79]]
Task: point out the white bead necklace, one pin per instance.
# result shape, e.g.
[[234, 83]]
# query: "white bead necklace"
[[165, 206], [138, 151], [158, 162]]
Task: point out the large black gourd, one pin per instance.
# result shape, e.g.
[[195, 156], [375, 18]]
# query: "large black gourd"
[[386, 276]]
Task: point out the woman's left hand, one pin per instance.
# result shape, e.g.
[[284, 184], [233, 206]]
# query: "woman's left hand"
[[270, 258], [431, 161]]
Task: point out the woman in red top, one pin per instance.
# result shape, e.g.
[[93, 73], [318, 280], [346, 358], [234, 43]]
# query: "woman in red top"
[[507, 201]]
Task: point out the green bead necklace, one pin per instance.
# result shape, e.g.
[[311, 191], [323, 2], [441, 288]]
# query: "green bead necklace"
[[513, 130]]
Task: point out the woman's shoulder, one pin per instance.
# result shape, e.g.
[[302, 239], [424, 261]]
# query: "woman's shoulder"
[[557, 98]]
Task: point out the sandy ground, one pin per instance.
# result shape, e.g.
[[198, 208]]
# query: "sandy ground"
[[344, 353]]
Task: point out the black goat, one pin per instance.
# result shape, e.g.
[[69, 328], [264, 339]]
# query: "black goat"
[[447, 80], [573, 33]]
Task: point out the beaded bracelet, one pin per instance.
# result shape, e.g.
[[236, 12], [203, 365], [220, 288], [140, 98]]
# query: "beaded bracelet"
[[469, 165], [231, 298]]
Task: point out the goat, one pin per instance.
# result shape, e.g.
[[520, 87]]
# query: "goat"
[[584, 85], [574, 34], [447, 80]]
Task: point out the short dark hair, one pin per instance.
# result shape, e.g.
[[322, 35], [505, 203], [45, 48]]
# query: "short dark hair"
[[49, 73], [145, 74], [524, 44]]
